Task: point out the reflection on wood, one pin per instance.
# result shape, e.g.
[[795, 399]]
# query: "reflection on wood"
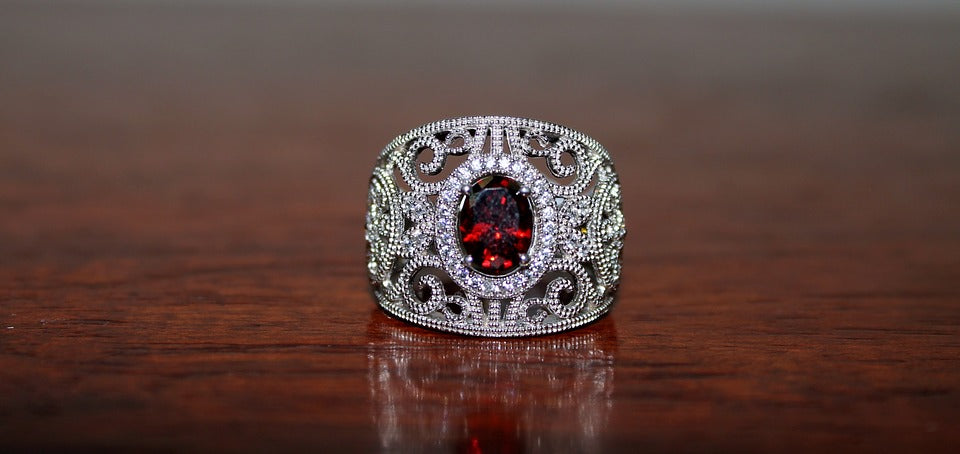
[[434, 393]]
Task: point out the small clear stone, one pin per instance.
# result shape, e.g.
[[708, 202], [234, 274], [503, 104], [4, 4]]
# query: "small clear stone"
[[415, 240], [578, 210], [417, 207], [575, 245]]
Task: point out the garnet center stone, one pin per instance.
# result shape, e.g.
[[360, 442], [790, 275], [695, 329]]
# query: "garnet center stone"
[[495, 224]]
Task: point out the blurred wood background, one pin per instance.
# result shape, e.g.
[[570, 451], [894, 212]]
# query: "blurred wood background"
[[181, 269]]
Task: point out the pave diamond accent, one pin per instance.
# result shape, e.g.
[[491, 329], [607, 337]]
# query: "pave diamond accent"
[[425, 270]]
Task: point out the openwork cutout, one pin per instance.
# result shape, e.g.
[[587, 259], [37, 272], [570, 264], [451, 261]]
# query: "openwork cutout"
[[417, 265]]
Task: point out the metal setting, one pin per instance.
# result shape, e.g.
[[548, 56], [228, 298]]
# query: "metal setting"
[[420, 273]]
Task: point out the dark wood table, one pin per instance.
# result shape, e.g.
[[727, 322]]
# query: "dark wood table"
[[182, 266]]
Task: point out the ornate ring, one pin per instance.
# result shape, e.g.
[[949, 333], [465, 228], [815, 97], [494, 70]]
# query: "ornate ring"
[[495, 226]]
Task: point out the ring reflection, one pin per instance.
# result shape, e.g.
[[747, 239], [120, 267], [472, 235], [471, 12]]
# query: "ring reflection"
[[433, 391]]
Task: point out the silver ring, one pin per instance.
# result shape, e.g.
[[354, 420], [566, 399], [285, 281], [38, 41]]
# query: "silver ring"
[[495, 226]]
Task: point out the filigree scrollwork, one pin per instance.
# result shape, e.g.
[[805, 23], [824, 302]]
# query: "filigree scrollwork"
[[453, 142], [535, 143], [553, 302], [605, 229], [553, 149], [383, 225], [424, 292], [417, 261]]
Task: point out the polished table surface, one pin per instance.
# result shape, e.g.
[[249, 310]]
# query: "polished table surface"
[[182, 197]]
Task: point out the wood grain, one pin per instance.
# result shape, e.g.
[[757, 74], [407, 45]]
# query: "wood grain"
[[181, 269]]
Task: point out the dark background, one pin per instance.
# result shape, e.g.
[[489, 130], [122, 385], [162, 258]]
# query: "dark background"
[[182, 194]]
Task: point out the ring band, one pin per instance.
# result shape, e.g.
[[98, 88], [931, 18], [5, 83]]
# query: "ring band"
[[495, 226]]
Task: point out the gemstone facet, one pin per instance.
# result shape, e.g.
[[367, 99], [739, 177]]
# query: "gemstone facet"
[[495, 225]]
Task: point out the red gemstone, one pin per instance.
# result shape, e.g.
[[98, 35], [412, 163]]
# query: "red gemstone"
[[495, 224]]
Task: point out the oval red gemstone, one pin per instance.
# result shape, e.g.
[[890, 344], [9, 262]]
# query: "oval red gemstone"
[[495, 225]]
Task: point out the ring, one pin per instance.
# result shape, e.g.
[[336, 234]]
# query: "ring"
[[495, 227]]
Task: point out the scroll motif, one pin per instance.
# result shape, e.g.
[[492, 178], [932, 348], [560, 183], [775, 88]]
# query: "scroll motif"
[[455, 142], [428, 294], [553, 147]]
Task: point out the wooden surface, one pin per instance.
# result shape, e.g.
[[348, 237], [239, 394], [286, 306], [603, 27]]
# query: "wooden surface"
[[180, 269]]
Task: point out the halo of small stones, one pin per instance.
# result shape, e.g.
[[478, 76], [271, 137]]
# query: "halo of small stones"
[[571, 229], [545, 220]]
